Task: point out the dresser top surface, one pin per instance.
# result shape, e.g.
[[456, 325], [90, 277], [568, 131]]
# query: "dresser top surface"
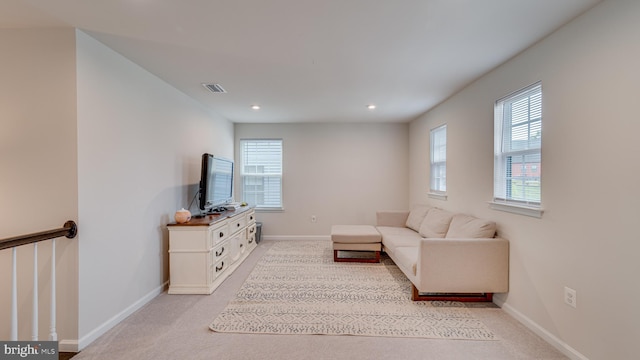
[[208, 220]]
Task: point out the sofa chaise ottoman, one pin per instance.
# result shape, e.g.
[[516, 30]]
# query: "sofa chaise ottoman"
[[358, 238]]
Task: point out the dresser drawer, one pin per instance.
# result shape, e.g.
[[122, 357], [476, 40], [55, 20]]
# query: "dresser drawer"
[[251, 239], [237, 223], [251, 217], [251, 231], [218, 233], [218, 268], [219, 252]]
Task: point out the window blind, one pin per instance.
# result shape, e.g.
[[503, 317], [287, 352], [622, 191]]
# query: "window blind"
[[438, 166], [261, 172], [518, 143]]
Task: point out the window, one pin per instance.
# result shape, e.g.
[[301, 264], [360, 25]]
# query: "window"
[[518, 140], [438, 180], [261, 173]]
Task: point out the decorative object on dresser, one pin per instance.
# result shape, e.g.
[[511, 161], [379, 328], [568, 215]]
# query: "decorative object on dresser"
[[182, 216], [205, 251]]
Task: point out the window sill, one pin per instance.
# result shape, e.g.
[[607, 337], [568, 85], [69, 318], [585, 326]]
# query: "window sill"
[[438, 196], [259, 209], [535, 212]]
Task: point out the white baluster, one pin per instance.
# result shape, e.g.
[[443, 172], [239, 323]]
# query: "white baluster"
[[34, 312], [14, 298], [53, 336]]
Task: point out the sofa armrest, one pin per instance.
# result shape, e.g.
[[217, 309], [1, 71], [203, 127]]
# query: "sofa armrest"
[[392, 218], [463, 265]]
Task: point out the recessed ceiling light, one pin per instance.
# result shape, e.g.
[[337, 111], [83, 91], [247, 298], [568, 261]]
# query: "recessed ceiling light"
[[255, 107], [371, 106]]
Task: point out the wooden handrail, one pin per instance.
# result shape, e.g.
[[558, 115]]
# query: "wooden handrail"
[[69, 230]]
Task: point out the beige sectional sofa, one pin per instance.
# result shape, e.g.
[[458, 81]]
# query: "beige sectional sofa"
[[446, 256]]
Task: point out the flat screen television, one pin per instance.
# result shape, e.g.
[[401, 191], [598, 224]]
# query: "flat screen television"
[[216, 183]]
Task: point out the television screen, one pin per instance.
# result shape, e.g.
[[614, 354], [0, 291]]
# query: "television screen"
[[216, 182]]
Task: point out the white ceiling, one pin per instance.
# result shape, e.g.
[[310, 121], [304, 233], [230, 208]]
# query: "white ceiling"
[[310, 60]]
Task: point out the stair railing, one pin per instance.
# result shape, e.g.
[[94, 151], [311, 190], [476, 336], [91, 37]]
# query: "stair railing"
[[69, 230]]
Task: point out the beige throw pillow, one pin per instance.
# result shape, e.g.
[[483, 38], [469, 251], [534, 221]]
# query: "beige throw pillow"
[[416, 216], [465, 226], [435, 224]]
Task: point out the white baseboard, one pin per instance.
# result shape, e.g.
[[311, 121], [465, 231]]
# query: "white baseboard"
[[297, 237], [78, 345], [540, 331]]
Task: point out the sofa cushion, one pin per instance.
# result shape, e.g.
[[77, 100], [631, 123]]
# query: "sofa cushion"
[[435, 223], [466, 226], [394, 230], [359, 234], [416, 216], [407, 257], [392, 242]]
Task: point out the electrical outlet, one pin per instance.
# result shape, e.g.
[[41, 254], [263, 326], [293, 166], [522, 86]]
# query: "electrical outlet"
[[314, 218], [570, 297]]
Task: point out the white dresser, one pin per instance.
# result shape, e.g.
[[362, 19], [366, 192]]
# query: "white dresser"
[[205, 251]]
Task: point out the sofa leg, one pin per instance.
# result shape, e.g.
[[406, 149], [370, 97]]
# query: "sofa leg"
[[375, 259], [473, 297]]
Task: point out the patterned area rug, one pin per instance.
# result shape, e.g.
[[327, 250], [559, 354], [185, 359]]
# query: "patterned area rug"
[[296, 288]]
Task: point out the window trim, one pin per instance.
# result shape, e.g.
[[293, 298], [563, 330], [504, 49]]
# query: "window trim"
[[242, 174], [535, 212], [437, 196], [437, 193], [502, 203]]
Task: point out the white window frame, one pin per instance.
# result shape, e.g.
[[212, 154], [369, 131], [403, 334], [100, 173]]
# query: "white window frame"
[[512, 192], [265, 173], [438, 162]]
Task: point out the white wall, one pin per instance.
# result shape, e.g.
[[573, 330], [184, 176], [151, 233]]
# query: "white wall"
[[38, 171], [341, 173], [587, 238], [139, 147]]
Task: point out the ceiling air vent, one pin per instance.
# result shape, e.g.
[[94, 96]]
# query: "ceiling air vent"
[[215, 88]]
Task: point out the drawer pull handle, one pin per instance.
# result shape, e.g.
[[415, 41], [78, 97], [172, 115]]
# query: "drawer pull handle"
[[238, 225], [250, 217], [221, 252], [251, 240], [221, 234], [241, 245], [221, 267], [251, 230]]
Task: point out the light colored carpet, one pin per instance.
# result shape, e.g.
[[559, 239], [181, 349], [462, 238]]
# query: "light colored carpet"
[[177, 327], [296, 288]]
